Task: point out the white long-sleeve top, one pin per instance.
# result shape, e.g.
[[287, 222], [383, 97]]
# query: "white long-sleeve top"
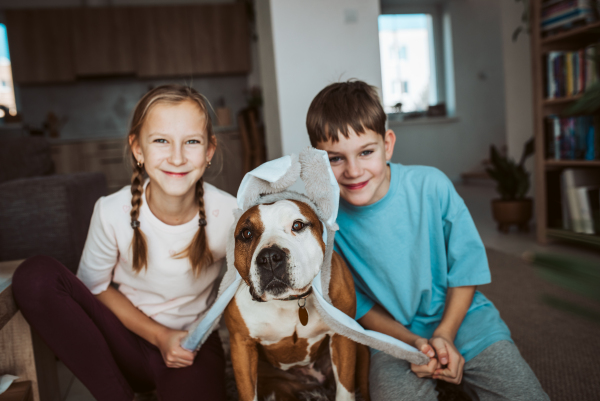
[[167, 290]]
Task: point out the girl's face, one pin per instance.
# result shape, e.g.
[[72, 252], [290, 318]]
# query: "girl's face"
[[174, 147]]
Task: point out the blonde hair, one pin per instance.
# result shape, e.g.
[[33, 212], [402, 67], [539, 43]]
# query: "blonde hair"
[[198, 252]]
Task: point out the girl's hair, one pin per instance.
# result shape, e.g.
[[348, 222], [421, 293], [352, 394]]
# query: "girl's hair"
[[198, 251]]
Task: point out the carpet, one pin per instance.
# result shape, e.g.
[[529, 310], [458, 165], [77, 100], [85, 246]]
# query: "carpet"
[[561, 347]]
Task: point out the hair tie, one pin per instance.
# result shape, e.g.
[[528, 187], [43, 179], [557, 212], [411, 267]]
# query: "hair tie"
[[201, 222], [135, 224]]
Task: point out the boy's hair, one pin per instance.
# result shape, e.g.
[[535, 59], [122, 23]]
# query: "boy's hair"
[[198, 251], [353, 104]]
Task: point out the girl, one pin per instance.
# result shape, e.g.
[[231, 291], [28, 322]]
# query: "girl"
[[148, 269]]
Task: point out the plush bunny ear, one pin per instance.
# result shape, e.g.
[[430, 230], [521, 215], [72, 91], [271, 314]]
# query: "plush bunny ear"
[[320, 183], [268, 178]]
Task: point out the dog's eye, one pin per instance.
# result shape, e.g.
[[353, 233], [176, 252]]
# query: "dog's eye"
[[298, 225], [246, 234]]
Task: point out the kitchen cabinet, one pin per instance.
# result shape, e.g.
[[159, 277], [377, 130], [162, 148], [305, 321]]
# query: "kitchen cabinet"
[[162, 38], [40, 46], [56, 45], [221, 39], [101, 41], [108, 156]]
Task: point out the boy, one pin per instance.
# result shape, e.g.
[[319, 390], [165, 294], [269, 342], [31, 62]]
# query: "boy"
[[416, 258]]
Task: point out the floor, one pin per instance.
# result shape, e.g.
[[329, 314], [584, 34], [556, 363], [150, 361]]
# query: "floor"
[[477, 198]]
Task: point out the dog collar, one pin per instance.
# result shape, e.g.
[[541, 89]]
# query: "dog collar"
[[290, 298], [301, 296]]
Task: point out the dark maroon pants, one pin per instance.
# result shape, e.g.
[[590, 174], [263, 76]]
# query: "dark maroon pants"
[[111, 361]]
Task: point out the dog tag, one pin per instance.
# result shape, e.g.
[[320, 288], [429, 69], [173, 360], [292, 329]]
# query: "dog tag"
[[302, 312]]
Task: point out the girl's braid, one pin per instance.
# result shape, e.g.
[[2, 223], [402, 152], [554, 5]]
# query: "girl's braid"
[[199, 253], [139, 243]]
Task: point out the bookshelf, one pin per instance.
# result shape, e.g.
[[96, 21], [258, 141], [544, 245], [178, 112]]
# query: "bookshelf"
[[547, 172]]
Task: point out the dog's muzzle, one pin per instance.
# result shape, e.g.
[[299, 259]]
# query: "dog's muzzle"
[[272, 266]]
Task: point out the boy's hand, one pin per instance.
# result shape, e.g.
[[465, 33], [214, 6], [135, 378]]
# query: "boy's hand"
[[451, 361], [425, 371]]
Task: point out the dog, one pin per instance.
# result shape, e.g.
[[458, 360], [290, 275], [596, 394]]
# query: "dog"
[[275, 348]]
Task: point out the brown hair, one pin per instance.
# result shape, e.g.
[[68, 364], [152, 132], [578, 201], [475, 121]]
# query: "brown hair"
[[353, 104], [198, 251]]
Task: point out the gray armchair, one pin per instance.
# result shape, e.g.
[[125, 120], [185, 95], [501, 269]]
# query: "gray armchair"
[[43, 213]]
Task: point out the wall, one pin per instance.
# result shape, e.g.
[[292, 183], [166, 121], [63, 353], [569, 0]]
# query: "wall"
[[460, 146], [518, 83], [311, 45], [101, 107]]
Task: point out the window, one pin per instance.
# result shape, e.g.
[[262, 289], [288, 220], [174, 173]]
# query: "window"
[[405, 59], [413, 56], [7, 93]]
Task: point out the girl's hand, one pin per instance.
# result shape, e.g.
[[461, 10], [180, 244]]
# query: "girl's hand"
[[169, 344], [451, 361], [425, 371]]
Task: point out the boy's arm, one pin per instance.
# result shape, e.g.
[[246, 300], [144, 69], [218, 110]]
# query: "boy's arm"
[[458, 301], [379, 319]]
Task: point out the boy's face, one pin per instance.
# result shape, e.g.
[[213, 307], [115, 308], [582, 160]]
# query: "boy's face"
[[359, 165]]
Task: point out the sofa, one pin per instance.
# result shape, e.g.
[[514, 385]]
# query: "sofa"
[[42, 213]]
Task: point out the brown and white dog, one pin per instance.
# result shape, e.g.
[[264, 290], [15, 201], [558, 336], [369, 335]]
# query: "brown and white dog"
[[279, 249]]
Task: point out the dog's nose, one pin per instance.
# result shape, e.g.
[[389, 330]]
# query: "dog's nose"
[[271, 258]]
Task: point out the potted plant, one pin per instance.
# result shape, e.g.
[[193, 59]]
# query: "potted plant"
[[512, 184]]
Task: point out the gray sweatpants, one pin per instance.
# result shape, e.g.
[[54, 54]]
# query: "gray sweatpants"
[[497, 373]]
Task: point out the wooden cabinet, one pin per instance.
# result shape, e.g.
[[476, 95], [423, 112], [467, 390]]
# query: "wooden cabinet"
[[221, 40], [40, 45], [162, 41], [107, 156], [104, 156], [56, 45], [101, 41]]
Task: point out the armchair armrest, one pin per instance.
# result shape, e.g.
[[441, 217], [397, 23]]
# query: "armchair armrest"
[[48, 215]]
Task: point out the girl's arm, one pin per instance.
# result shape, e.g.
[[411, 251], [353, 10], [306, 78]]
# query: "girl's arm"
[[167, 340]]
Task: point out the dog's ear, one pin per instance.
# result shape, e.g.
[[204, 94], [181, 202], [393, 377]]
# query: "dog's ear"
[[317, 176], [257, 183]]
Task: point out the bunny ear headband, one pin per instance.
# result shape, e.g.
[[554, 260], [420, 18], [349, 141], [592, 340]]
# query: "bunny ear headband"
[[269, 183]]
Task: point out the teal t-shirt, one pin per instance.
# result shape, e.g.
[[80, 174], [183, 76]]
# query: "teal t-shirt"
[[409, 247]]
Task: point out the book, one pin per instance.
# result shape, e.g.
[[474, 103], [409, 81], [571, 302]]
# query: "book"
[[571, 138], [586, 224], [565, 14], [578, 209]]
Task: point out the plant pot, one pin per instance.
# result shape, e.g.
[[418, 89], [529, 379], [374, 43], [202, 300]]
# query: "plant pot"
[[507, 213]]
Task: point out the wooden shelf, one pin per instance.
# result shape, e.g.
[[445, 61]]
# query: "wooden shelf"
[[561, 100], [573, 34], [572, 163], [547, 172], [566, 235]]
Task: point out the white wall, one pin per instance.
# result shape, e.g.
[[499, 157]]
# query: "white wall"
[[460, 146], [518, 83], [312, 46]]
